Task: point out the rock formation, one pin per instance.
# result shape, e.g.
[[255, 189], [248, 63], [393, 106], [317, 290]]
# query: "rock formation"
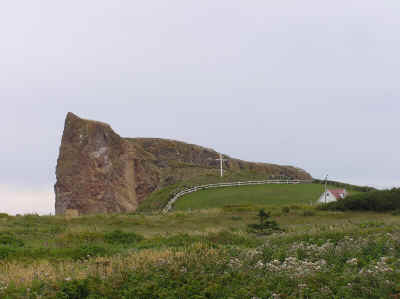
[[100, 172]]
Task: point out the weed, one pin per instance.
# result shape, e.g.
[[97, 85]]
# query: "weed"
[[123, 238], [85, 252], [6, 251], [74, 289], [9, 239], [202, 254], [308, 213]]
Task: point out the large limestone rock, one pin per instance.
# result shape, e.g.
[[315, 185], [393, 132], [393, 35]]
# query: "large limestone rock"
[[100, 172]]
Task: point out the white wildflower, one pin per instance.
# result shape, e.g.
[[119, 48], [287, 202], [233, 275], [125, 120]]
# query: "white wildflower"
[[352, 262]]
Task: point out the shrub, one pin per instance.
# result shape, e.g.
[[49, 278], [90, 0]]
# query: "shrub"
[[122, 238], [266, 226], [228, 238], [87, 251], [285, 210], [78, 238], [10, 240], [345, 186], [238, 208], [295, 207], [179, 240], [5, 252], [379, 201], [308, 213], [396, 212], [74, 289]]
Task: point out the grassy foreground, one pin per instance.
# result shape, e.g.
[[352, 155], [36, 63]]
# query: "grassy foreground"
[[201, 254]]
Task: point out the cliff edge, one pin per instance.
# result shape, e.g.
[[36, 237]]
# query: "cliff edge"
[[94, 170]]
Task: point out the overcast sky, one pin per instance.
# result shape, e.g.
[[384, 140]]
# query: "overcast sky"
[[314, 84]]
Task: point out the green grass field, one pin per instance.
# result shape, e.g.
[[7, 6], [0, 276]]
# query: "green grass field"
[[158, 199], [258, 195], [201, 254], [207, 252]]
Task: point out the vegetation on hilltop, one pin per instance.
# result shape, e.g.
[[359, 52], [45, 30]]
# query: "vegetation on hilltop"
[[336, 184], [180, 163], [379, 201]]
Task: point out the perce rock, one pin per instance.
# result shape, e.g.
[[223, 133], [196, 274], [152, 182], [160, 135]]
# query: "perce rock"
[[100, 172]]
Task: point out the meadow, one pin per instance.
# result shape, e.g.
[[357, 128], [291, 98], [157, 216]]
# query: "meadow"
[[159, 199], [259, 196], [203, 253]]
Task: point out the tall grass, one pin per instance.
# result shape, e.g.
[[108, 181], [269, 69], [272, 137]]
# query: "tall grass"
[[201, 254]]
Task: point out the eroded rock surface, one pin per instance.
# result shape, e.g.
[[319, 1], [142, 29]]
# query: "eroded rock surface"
[[100, 172], [95, 172]]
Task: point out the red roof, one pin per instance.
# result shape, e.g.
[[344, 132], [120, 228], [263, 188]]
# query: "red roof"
[[338, 193]]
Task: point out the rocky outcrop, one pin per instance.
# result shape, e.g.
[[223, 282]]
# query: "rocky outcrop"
[[95, 173], [100, 172]]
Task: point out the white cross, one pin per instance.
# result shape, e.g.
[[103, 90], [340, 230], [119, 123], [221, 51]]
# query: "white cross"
[[221, 159]]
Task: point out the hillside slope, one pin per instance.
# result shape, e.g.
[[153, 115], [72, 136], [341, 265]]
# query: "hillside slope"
[[255, 196], [100, 172]]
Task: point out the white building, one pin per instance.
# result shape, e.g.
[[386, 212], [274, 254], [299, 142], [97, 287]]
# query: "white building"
[[332, 195]]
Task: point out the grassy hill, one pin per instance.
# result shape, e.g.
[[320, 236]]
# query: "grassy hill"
[[256, 196], [159, 198]]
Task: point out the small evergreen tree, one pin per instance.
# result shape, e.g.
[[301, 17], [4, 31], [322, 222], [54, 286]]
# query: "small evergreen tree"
[[266, 225]]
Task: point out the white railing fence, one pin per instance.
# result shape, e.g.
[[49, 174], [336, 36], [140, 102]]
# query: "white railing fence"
[[168, 207]]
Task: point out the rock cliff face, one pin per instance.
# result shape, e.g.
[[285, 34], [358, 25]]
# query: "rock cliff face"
[[100, 172], [95, 173]]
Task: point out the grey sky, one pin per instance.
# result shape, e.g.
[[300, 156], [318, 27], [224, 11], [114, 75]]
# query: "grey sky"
[[308, 83]]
